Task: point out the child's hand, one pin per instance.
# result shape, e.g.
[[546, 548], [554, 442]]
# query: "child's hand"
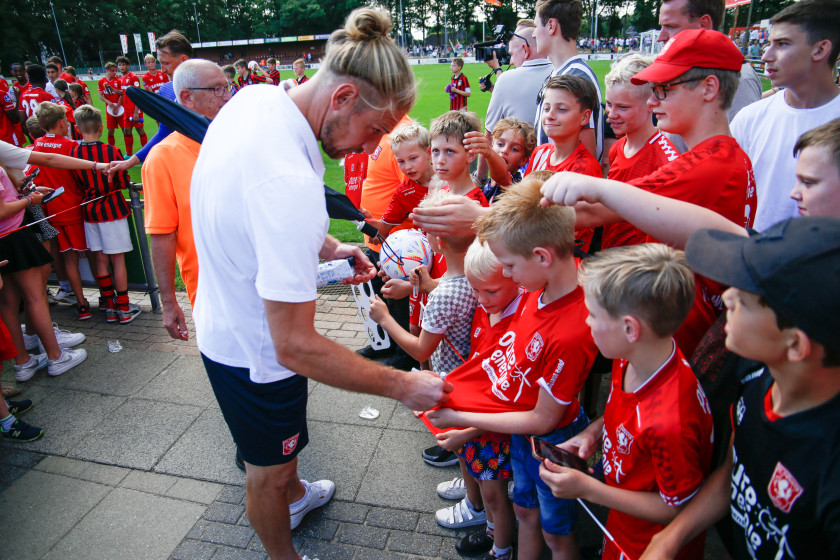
[[443, 418], [448, 88], [565, 483], [427, 283], [454, 440], [378, 309], [584, 445], [567, 188], [476, 143], [396, 289]]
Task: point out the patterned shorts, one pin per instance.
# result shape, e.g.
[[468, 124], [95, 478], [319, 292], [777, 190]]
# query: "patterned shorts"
[[487, 460]]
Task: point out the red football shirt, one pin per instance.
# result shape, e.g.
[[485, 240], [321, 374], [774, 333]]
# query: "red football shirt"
[[474, 194], [110, 89], [67, 78], [32, 97], [20, 88], [113, 207], [7, 128], [406, 198], [153, 81], [252, 78], [275, 75], [54, 178], [127, 80], [355, 171], [717, 175], [656, 439], [85, 89], [657, 152], [459, 101]]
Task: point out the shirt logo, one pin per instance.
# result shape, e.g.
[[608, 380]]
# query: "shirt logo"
[[477, 330], [534, 348], [290, 444], [784, 490], [625, 439], [375, 155]]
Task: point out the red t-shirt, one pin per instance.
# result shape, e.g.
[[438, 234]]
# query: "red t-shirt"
[[459, 101], [657, 152], [474, 194], [580, 161], [355, 171], [531, 353], [110, 89], [20, 88], [656, 439], [7, 129], [717, 175], [67, 78], [127, 80], [85, 89], [54, 178], [32, 97], [418, 302], [153, 81], [406, 198]]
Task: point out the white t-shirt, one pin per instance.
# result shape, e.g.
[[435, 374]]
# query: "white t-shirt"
[[767, 130], [13, 157], [258, 229]]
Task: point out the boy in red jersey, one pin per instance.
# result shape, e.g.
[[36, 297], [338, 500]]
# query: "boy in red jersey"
[[9, 117], [656, 431], [641, 148], [527, 381], [110, 93], [451, 159], [67, 215], [246, 76], [133, 116], [272, 70], [459, 87], [105, 220], [693, 82], [154, 78], [299, 68]]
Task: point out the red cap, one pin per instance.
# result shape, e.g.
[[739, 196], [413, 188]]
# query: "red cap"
[[692, 48]]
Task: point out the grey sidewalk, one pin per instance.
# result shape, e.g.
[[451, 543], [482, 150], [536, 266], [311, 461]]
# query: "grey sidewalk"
[[137, 462]]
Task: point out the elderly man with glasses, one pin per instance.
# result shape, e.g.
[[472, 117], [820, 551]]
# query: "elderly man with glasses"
[[200, 85]]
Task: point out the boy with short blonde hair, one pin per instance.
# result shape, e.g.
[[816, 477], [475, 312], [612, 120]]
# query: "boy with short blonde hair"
[[450, 158], [656, 431], [299, 68], [534, 371]]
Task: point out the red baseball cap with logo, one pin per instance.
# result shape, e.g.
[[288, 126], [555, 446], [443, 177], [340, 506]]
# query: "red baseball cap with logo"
[[692, 48]]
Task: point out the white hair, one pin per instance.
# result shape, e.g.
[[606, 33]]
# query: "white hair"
[[188, 74], [625, 68], [480, 261]]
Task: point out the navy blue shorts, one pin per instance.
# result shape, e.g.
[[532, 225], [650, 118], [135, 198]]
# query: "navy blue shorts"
[[267, 420]]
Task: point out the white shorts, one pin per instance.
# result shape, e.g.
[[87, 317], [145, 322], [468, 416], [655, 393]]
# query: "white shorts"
[[109, 237]]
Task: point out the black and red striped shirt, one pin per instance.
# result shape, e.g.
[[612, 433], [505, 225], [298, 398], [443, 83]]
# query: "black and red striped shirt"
[[459, 101], [275, 75], [253, 78], [112, 207]]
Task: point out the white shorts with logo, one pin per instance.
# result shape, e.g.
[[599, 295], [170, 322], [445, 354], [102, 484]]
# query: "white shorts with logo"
[[109, 237]]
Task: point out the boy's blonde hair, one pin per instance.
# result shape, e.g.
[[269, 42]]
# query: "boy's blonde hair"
[[149, 57], [526, 129], [88, 119], [517, 220], [459, 244], [625, 68], [110, 65], [455, 124], [413, 132], [299, 62], [34, 129], [49, 115], [480, 261], [652, 282]]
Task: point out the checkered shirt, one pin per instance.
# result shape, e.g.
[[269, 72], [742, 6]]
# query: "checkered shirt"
[[449, 311]]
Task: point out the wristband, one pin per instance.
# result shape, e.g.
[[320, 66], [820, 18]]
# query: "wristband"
[[94, 166], [497, 70]]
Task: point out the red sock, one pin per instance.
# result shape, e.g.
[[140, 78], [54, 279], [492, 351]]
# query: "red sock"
[[143, 139], [122, 300], [106, 290], [112, 141], [129, 145]]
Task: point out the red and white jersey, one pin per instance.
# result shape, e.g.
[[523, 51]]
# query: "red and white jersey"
[[55, 178], [32, 97], [7, 128], [475, 194], [67, 78], [406, 198], [355, 171], [656, 439], [129, 80], [154, 80], [654, 154], [483, 332], [18, 89], [580, 160], [110, 89], [531, 353]]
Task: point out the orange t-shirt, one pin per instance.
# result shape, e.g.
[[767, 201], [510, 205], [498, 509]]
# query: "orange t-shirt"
[[383, 178], [167, 173]]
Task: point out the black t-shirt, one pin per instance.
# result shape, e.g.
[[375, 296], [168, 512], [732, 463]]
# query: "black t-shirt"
[[785, 499]]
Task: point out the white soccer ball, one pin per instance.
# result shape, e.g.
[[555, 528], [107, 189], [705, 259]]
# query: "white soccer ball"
[[252, 65], [405, 250]]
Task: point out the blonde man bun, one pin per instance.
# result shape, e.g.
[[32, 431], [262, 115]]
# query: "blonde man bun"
[[363, 50]]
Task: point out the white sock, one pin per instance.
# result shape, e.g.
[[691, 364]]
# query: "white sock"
[[490, 529], [6, 423], [302, 501], [501, 552]]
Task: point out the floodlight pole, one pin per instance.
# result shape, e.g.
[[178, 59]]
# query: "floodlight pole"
[[747, 32], [195, 12], [61, 44], [402, 25]]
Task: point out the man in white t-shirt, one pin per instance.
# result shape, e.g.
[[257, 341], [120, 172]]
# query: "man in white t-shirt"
[[804, 43], [259, 233]]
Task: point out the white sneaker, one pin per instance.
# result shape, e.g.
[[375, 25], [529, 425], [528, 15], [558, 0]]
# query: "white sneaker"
[[27, 370], [307, 558], [455, 489], [65, 297], [317, 494], [65, 339], [460, 515], [50, 297], [69, 358], [130, 315]]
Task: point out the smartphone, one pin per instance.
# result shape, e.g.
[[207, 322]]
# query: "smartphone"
[[27, 185], [57, 192], [556, 455]]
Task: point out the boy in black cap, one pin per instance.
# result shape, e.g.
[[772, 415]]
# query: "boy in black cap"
[[780, 479]]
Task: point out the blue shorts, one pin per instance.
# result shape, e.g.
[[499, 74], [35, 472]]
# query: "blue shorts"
[[558, 516], [267, 420]]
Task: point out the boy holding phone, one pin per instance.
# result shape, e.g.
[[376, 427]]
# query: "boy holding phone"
[[656, 432]]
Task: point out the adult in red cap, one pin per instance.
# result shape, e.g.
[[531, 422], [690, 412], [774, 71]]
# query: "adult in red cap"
[[693, 81]]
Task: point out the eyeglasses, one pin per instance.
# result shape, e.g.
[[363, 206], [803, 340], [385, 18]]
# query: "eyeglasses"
[[219, 91], [661, 91], [541, 93], [527, 44]]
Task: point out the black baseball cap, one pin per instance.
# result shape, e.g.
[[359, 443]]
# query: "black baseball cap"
[[794, 265]]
